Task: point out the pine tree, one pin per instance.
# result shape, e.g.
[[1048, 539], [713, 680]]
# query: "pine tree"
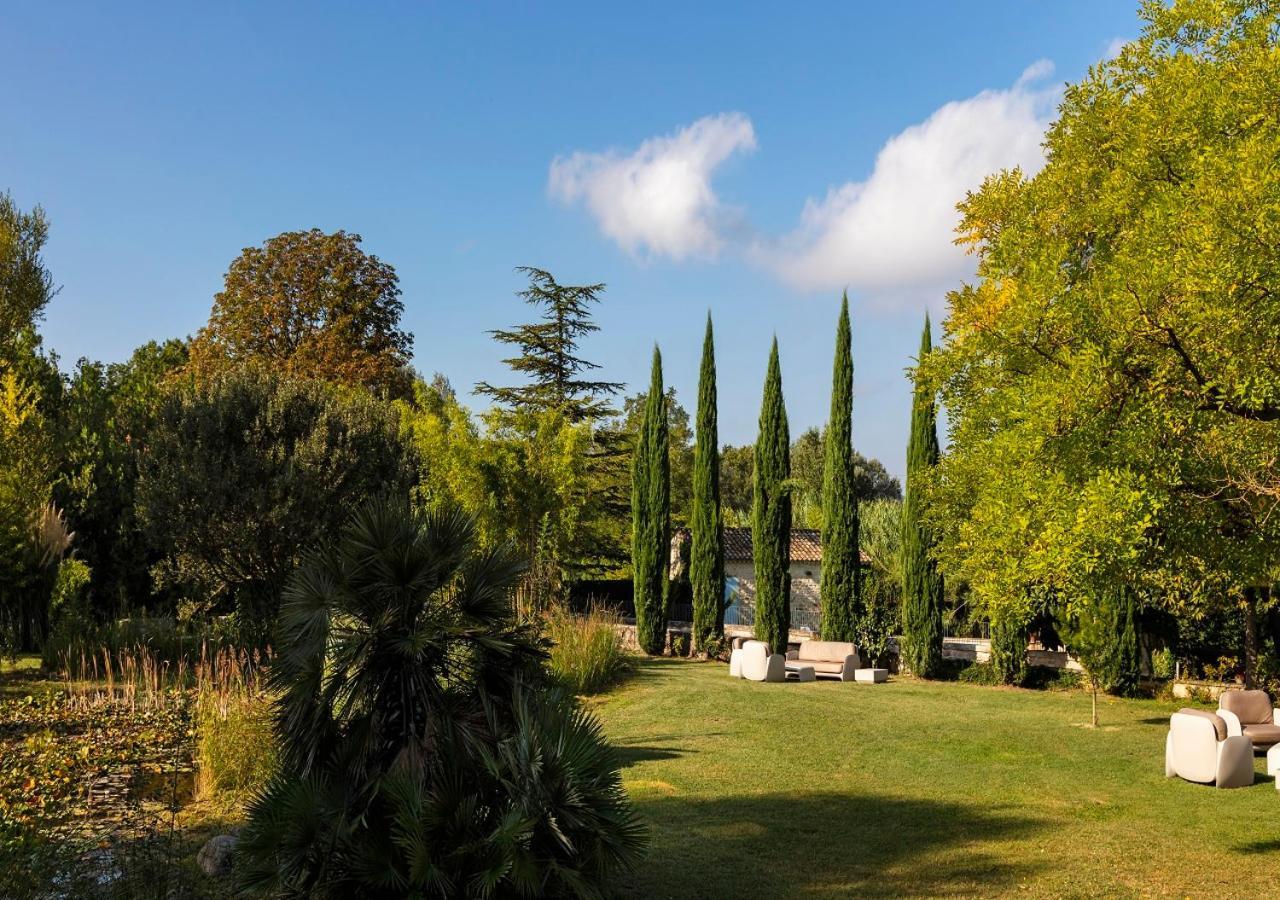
[[771, 513], [706, 557], [586, 535], [922, 586], [548, 352], [841, 573], [651, 517]]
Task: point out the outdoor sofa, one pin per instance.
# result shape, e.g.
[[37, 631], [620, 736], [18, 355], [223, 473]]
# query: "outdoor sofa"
[[828, 659], [1199, 748]]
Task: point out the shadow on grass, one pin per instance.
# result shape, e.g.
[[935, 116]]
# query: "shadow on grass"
[[1253, 847], [629, 756], [833, 845]]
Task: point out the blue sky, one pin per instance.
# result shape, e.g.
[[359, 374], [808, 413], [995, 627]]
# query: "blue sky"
[[745, 158]]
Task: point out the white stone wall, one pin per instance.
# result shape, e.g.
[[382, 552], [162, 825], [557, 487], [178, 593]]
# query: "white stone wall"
[[806, 577]]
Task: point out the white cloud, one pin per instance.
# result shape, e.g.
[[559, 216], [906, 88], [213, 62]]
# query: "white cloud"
[[658, 200], [891, 236]]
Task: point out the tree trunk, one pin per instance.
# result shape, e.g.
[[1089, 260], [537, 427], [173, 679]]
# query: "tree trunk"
[[1250, 636]]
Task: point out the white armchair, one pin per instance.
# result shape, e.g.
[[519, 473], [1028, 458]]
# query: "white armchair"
[[1199, 748], [754, 662]]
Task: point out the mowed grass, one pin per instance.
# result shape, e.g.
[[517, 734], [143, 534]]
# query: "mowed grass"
[[915, 788]]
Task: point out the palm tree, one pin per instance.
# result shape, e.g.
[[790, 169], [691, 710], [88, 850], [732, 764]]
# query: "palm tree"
[[422, 750]]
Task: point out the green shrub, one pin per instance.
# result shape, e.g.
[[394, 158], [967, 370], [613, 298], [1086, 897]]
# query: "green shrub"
[[979, 673], [69, 612], [586, 651], [1047, 678], [236, 747], [422, 752], [1162, 663], [1040, 678], [680, 644]]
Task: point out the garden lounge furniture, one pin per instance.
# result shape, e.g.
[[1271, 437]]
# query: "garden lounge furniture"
[[871, 676], [797, 672], [829, 659], [1251, 714], [735, 656], [754, 662], [1273, 764], [1199, 749]]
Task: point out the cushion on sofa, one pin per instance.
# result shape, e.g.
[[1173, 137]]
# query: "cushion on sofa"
[[1263, 734], [818, 665], [1219, 724], [825, 651], [1252, 707]]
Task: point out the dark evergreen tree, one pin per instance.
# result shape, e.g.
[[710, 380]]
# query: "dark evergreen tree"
[[1127, 667], [1009, 648], [771, 513], [922, 587], [651, 517], [706, 557], [841, 581], [548, 352]]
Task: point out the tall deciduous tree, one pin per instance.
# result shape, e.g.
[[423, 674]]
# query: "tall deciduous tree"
[[26, 286], [241, 476], [771, 513], [1112, 375], [309, 305], [706, 556], [841, 571], [871, 481], [651, 517], [922, 587]]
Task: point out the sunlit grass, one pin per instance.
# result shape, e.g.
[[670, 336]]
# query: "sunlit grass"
[[914, 788]]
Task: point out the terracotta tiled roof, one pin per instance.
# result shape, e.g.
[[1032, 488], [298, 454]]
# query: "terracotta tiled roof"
[[806, 545]]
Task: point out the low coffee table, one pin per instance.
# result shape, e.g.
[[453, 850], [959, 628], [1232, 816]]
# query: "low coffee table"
[[801, 673], [871, 676], [1273, 764]]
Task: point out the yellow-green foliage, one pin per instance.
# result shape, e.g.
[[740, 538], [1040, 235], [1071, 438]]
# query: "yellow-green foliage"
[[586, 653], [236, 747]]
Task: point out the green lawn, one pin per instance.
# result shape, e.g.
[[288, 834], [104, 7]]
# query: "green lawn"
[[828, 789]]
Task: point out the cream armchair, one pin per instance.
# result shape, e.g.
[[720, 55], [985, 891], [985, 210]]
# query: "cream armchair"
[[1249, 713], [1198, 748], [754, 662]]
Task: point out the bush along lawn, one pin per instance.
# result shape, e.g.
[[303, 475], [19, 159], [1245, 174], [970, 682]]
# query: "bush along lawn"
[[920, 788]]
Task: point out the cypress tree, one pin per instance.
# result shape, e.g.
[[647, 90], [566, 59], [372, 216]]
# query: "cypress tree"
[[841, 574], [706, 556], [771, 513], [922, 586], [651, 517], [1009, 648], [1128, 664]]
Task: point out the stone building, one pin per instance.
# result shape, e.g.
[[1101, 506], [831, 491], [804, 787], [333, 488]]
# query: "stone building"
[[740, 579]]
